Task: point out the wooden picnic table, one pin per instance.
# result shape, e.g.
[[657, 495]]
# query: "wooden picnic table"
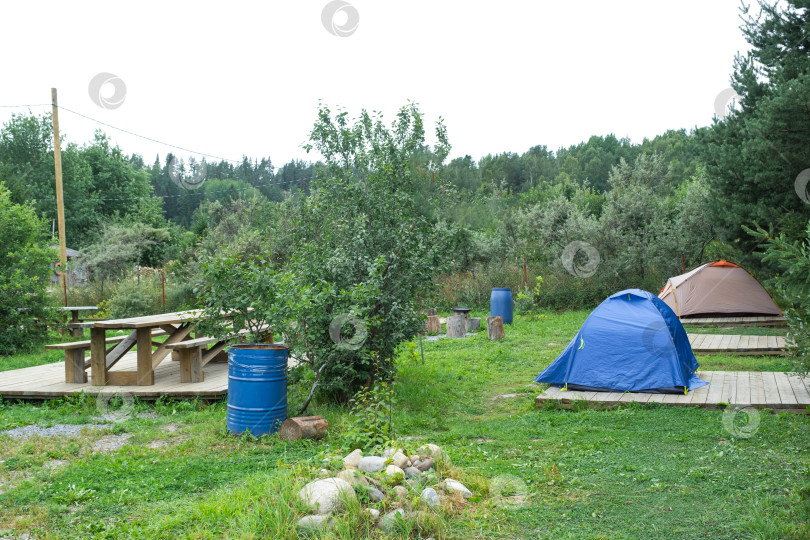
[[75, 321], [177, 325]]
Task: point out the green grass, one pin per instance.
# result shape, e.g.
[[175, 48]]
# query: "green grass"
[[631, 472]]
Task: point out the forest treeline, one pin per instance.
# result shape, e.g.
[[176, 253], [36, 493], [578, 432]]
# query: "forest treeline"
[[635, 213]]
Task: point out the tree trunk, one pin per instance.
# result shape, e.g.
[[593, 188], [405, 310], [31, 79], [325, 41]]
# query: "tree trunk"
[[457, 326], [495, 327], [303, 427]]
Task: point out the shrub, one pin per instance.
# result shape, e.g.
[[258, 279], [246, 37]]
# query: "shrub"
[[25, 259]]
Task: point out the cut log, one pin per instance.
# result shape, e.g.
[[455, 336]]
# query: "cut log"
[[495, 327], [432, 312], [473, 323], [303, 427], [457, 326], [433, 325]]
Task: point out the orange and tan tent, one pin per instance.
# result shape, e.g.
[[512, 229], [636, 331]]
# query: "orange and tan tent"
[[718, 287]]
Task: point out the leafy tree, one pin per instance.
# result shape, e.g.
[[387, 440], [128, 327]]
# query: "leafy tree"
[[25, 271], [122, 246], [122, 188], [365, 244], [27, 168]]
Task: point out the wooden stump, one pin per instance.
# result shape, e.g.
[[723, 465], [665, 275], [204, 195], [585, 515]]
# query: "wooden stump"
[[432, 312], [473, 324], [457, 326], [433, 324], [303, 427], [495, 327]]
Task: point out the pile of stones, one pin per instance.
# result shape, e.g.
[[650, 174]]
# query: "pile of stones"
[[392, 480]]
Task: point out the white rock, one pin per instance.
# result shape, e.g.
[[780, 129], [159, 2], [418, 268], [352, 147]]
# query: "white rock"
[[373, 513], [454, 485], [392, 470], [400, 460], [353, 459], [388, 452], [430, 450], [314, 524], [323, 496], [371, 464], [401, 491], [353, 477], [430, 497]]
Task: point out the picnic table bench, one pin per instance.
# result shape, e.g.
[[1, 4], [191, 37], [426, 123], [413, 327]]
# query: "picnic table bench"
[[194, 354], [75, 362]]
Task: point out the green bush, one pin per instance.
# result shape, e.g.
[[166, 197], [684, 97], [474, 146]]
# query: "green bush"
[[134, 299], [25, 259]]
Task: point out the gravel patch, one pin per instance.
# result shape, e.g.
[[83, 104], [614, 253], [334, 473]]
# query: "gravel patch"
[[111, 443], [69, 430], [442, 336]]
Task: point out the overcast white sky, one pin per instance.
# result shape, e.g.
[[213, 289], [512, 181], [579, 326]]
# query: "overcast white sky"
[[239, 77]]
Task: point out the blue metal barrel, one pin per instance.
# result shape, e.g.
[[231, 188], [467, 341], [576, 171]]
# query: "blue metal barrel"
[[257, 388], [500, 303]]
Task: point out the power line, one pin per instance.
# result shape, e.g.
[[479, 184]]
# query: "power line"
[[24, 106], [190, 194], [149, 138]]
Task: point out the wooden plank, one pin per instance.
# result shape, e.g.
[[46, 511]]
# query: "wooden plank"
[[743, 388], [656, 398], [179, 317], [799, 390], [212, 353], [725, 343], [772, 343], [711, 342], [772, 398], [730, 388], [609, 398], [121, 349], [146, 375], [696, 339], [98, 356], [716, 388], [191, 366], [161, 352], [122, 378], [191, 343], [757, 389], [699, 395], [785, 389], [634, 396]]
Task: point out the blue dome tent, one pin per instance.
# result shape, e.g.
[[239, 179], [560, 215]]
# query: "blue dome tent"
[[632, 342]]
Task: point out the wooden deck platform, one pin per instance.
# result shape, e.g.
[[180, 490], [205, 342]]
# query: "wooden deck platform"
[[742, 345], [768, 389], [48, 381], [764, 320]]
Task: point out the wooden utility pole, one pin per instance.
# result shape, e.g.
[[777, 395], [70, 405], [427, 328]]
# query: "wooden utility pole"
[[60, 202]]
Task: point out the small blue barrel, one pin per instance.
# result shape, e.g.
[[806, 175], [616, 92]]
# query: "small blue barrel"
[[257, 388], [500, 303]]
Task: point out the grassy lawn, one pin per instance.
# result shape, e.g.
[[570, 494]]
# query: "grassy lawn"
[[632, 472]]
